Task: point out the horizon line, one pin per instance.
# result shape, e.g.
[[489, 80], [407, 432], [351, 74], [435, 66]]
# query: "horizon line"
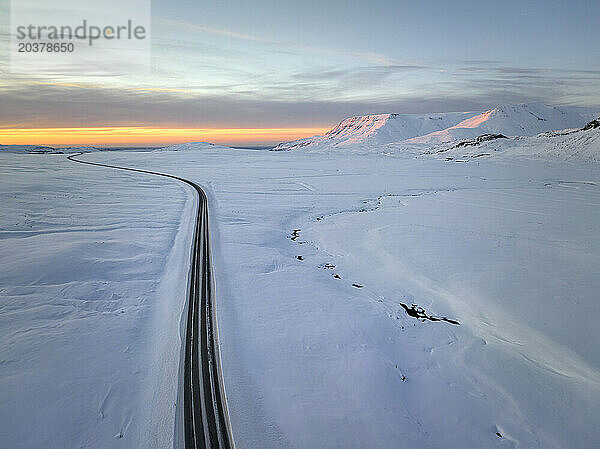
[[155, 136]]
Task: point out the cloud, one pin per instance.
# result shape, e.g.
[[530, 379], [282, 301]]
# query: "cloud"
[[212, 30], [308, 98], [491, 67], [375, 71], [40, 105], [554, 86], [480, 61]]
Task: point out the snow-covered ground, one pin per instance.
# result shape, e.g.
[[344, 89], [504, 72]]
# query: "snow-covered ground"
[[508, 249], [321, 258], [92, 283]]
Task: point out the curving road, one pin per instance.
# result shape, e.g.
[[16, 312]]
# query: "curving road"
[[203, 419]]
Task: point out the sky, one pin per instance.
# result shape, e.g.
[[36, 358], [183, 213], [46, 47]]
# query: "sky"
[[261, 72]]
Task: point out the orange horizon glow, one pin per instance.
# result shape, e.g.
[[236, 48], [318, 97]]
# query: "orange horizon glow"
[[138, 136]]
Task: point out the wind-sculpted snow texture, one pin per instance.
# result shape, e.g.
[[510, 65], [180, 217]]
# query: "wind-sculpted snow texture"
[[328, 266], [93, 276]]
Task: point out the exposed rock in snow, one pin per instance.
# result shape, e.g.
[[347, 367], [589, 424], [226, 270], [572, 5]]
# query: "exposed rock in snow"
[[480, 139], [592, 125], [581, 144]]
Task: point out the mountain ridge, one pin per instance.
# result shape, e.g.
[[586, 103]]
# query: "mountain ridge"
[[579, 144], [526, 119]]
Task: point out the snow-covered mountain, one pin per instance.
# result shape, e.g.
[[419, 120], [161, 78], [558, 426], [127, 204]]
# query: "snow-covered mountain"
[[510, 120], [380, 129], [581, 144], [188, 146], [431, 129], [32, 149], [41, 149]]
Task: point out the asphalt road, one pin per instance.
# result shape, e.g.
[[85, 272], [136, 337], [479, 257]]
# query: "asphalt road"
[[203, 419]]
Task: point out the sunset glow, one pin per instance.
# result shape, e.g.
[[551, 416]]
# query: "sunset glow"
[[139, 136]]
